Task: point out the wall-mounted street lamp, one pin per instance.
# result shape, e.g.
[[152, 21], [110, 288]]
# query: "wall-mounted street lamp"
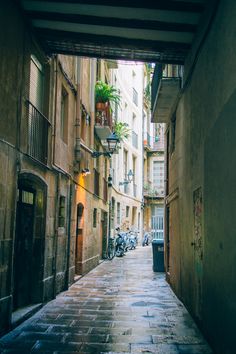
[[129, 179], [112, 141]]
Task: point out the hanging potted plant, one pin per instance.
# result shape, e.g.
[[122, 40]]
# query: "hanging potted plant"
[[105, 94]]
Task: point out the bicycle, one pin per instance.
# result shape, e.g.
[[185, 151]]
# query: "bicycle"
[[111, 248]]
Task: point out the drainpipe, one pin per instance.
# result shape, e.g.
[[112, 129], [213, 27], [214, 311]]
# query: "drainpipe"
[[58, 179], [67, 277], [55, 243], [78, 115]]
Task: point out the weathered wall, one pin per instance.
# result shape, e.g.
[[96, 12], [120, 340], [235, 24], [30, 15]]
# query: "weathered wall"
[[203, 169], [11, 64], [53, 277], [88, 238]]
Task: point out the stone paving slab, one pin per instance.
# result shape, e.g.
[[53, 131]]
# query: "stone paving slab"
[[122, 306]]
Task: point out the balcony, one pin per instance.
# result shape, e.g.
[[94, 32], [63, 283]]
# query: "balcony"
[[158, 143], [147, 140], [103, 123], [149, 191], [166, 84], [38, 127], [135, 140]]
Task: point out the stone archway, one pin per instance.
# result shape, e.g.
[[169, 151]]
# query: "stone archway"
[[28, 260]]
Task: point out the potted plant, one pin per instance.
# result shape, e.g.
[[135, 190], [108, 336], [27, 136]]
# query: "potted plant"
[[104, 94], [122, 130]]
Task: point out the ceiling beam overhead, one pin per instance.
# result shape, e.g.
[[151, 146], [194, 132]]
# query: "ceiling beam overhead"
[[111, 40], [111, 21], [147, 30], [169, 5]]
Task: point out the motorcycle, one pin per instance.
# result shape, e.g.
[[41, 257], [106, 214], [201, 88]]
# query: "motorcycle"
[[146, 239], [120, 245], [133, 240]]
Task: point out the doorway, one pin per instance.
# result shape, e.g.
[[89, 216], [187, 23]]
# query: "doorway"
[[103, 234], [79, 239], [29, 242]]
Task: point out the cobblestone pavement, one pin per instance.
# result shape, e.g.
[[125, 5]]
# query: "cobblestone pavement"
[[119, 307]]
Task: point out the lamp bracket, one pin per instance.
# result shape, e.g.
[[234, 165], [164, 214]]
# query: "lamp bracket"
[[124, 182], [96, 154]]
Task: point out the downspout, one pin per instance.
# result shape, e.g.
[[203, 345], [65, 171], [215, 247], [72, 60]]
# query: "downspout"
[[58, 181], [58, 184], [67, 277], [77, 120]]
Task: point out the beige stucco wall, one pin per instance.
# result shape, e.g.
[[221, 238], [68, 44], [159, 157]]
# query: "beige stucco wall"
[[202, 234], [14, 88]]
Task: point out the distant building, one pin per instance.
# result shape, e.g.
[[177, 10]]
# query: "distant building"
[[154, 170], [127, 164]]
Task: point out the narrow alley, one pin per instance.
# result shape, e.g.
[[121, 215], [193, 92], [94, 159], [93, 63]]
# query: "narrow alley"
[[120, 306]]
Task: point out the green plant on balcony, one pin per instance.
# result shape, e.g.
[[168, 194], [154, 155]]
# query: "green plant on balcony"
[[105, 94], [149, 190], [147, 93], [122, 130]]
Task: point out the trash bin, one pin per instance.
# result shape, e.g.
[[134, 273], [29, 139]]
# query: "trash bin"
[[158, 255]]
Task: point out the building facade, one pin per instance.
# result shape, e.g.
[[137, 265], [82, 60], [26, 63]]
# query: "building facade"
[[153, 167], [38, 110], [127, 163], [200, 188], [47, 196]]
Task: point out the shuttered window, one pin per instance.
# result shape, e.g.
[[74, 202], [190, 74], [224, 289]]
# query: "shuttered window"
[[38, 124], [36, 83]]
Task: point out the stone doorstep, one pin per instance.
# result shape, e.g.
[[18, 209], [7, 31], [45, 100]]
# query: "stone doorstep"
[[24, 313]]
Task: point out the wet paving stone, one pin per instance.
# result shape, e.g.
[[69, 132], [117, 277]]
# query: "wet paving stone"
[[119, 307]]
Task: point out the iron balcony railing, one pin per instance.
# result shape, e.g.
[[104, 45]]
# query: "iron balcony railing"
[[103, 117], [161, 71], [38, 128], [156, 78], [135, 139]]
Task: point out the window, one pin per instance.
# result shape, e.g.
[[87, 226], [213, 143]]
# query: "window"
[[127, 212], [118, 214], [172, 133], [27, 197], [158, 222], [158, 175], [125, 167], [96, 182], [64, 115], [135, 96], [36, 83], [112, 212], [62, 212], [38, 124], [94, 217]]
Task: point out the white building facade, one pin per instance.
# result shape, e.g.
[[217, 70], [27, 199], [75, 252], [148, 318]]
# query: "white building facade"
[[127, 164]]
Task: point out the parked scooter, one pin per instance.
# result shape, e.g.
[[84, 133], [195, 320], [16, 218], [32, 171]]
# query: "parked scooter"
[[120, 244], [133, 240], [146, 239]]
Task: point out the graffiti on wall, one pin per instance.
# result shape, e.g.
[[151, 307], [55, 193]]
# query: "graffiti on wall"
[[197, 210]]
